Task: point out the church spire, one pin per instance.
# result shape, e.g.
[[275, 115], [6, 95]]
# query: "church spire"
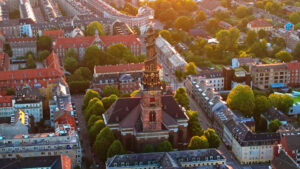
[[151, 79]]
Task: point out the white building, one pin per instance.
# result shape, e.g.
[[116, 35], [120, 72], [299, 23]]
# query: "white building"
[[249, 147], [213, 77], [64, 141]]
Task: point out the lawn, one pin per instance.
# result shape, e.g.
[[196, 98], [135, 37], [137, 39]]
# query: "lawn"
[[270, 60], [296, 99]]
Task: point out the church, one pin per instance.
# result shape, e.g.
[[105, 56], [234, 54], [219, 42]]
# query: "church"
[[150, 117]]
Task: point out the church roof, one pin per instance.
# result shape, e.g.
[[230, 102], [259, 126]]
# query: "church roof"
[[126, 112]]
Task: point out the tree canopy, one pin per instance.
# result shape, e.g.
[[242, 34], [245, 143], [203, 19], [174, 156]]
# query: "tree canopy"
[[184, 22], [43, 55], [190, 69], [93, 118], [92, 27], [88, 96], [261, 124], [241, 98], [281, 101], [194, 127], [103, 141], [182, 98], [197, 142], [274, 125], [95, 129], [164, 146], [108, 101], [110, 90], [70, 64], [44, 43], [228, 39], [116, 148], [212, 138], [262, 103], [295, 17], [284, 56], [201, 16]]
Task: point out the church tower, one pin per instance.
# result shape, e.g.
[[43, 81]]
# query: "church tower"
[[151, 98]]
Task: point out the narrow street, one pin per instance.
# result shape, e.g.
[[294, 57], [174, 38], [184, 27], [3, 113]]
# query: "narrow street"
[[83, 133], [206, 123]]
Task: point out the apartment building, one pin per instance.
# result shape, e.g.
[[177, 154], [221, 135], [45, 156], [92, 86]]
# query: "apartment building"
[[266, 74], [214, 77], [175, 159], [50, 9], [126, 77], [73, 7], [26, 11], [6, 106], [63, 141], [249, 147], [20, 46], [290, 143]]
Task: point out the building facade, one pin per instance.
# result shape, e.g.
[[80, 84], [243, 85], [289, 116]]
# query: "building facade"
[[266, 74], [180, 159], [126, 77], [73, 7], [260, 24], [141, 20], [64, 141], [290, 144], [235, 76], [20, 46], [6, 106]]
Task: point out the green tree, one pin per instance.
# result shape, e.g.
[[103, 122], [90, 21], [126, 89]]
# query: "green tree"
[[44, 43], [184, 22], [212, 138], [70, 64], [262, 103], [91, 56], [43, 55], [10, 92], [190, 69], [179, 74], [90, 94], [281, 101], [182, 98], [95, 106], [228, 39], [166, 35], [201, 16], [261, 124], [110, 90], [164, 146], [93, 118], [116, 148], [30, 63], [92, 27], [168, 15], [95, 129], [212, 26], [129, 9], [108, 101], [103, 141], [194, 127], [241, 98], [262, 34], [295, 17], [296, 51], [274, 125], [119, 51], [148, 148], [197, 142], [259, 48], [242, 11], [137, 30], [7, 49], [284, 56], [251, 37]]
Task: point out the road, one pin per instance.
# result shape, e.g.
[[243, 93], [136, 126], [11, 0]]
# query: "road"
[[83, 134], [206, 123]]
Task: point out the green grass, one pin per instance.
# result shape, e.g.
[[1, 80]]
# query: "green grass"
[[296, 99], [269, 60]]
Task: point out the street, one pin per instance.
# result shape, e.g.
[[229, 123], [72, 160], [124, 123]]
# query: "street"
[[206, 123], [83, 133]]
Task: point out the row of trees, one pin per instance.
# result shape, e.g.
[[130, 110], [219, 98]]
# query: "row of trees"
[[199, 139]]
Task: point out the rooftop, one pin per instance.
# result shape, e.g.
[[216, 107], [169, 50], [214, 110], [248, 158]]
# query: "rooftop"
[[260, 23], [121, 68]]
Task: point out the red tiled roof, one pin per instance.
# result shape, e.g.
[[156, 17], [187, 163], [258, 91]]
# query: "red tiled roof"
[[260, 23], [66, 162], [124, 39], [21, 39], [53, 32], [29, 74], [5, 99], [66, 118], [293, 65], [53, 62], [119, 68], [86, 41]]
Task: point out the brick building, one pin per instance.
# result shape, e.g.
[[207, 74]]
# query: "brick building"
[[54, 34], [294, 72], [81, 43], [232, 77], [33, 77], [150, 117], [290, 143], [126, 77], [20, 46]]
